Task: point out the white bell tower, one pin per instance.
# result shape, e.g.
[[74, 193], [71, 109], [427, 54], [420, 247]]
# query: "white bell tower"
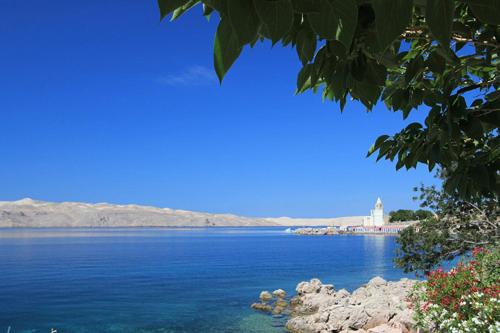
[[378, 214], [376, 218]]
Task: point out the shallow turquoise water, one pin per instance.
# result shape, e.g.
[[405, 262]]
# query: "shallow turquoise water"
[[169, 280]]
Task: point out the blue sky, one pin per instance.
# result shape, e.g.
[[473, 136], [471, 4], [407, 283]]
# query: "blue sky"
[[101, 102]]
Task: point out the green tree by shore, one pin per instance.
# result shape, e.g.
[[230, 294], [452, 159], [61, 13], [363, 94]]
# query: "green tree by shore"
[[403, 215]]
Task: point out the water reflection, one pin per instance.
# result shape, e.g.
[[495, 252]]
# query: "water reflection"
[[376, 246]]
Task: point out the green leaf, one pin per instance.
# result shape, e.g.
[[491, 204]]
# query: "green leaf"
[[244, 20], [303, 77], [473, 128], [436, 62], [391, 19], [384, 149], [376, 73], [218, 5], [336, 48], [306, 45], [366, 92], [480, 175], [181, 10], [347, 12], [380, 140], [207, 11], [168, 6], [439, 17], [414, 68], [325, 22], [226, 48], [413, 127], [276, 15], [487, 11], [358, 67], [338, 80]]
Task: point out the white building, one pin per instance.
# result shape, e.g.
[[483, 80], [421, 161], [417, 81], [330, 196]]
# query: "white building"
[[376, 218]]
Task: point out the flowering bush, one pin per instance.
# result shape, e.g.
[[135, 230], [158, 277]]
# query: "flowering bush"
[[465, 299]]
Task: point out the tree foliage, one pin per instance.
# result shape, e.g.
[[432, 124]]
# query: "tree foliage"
[[458, 227], [402, 215], [440, 56]]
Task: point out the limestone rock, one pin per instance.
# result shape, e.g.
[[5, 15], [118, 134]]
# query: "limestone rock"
[[377, 281], [280, 293], [377, 307], [281, 303], [265, 296], [384, 329], [278, 310], [261, 307]]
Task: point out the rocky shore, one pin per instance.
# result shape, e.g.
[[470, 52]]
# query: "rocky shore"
[[376, 307]]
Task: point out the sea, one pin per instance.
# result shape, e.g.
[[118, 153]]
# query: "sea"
[[171, 280]]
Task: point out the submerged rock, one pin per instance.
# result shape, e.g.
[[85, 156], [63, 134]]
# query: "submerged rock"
[[265, 296], [274, 303], [262, 307], [280, 293]]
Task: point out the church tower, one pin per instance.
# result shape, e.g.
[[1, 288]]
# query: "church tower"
[[378, 214], [376, 218]]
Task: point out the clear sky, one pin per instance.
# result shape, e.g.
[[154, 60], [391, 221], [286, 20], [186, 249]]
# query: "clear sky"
[[101, 102]]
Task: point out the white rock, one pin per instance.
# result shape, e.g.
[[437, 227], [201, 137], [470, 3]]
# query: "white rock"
[[280, 293], [265, 296], [377, 281], [384, 329], [378, 307]]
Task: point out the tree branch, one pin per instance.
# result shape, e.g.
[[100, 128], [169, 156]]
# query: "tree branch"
[[475, 86]]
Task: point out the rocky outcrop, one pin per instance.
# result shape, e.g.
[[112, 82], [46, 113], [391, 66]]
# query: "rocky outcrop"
[[316, 231], [377, 307]]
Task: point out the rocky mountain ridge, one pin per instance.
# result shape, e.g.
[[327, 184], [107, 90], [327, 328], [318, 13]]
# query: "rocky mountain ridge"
[[31, 213]]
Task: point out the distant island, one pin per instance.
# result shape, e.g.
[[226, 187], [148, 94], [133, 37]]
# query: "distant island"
[[28, 213]]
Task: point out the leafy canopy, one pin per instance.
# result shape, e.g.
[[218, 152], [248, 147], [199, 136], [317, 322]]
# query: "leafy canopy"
[[439, 55], [457, 227], [402, 215]]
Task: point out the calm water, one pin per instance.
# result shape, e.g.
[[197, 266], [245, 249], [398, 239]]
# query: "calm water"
[[169, 280]]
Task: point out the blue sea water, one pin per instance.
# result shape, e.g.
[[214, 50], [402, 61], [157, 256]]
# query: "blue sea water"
[[170, 280]]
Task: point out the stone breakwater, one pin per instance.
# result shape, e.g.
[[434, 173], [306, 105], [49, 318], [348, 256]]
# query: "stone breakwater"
[[316, 231], [377, 307]]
